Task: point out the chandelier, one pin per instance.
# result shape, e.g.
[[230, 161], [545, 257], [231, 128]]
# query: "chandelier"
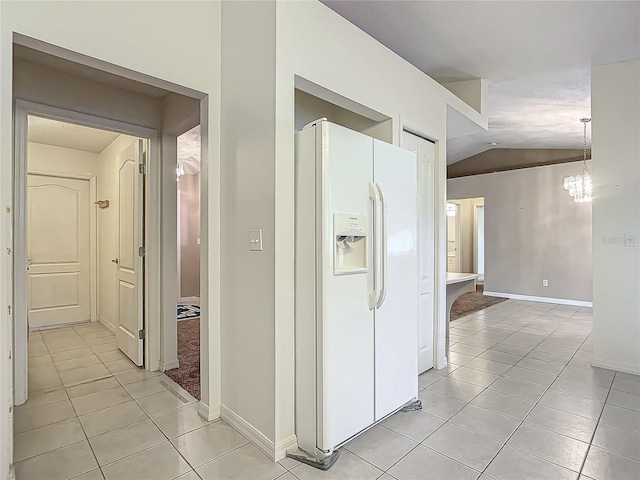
[[580, 187]]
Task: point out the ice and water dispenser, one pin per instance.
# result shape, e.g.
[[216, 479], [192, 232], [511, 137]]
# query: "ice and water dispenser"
[[350, 243]]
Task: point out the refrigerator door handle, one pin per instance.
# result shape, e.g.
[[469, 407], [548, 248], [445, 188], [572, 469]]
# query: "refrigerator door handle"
[[374, 294], [383, 250]]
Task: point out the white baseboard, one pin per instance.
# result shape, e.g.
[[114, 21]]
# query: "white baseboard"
[[617, 366], [110, 326], [42, 328], [208, 413], [189, 300], [170, 365], [529, 298], [249, 431], [287, 445]]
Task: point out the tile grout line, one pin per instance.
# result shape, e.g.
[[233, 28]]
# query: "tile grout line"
[[523, 421], [432, 433], [537, 402], [485, 388], [78, 418], [545, 335], [593, 435]]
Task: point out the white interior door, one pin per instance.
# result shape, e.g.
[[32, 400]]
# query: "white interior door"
[[129, 264], [426, 152], [59, 286], [396, 316]]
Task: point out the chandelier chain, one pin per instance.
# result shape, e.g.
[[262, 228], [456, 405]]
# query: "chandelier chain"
[[584, 156], [580, 187]]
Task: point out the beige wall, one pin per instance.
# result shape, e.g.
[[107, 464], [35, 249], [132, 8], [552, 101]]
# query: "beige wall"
[[533, 231], [255, 129], [351, 64], [189, 228], [140, 46], [248, 187], [310, 108], [615, 107], [47, 158], [41, 84], [288, 46]]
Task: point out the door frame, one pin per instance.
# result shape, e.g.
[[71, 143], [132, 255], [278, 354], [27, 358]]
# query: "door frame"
[[93, 229], [178, 240], [152, 213], [476, 205], [458, 235]]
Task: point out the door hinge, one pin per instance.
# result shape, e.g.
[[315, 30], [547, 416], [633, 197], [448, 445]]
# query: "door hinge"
[[142, 334], [142, 168], [142, 251], [9, 308]]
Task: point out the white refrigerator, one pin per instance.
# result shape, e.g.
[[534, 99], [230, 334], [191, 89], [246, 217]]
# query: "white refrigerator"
[[356, 284]]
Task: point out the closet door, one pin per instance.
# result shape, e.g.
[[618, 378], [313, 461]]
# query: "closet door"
[[426, 152]]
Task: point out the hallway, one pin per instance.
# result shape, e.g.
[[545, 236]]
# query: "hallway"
[[92, 412]]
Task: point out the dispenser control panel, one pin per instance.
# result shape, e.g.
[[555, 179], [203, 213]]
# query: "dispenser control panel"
[[350, 225]]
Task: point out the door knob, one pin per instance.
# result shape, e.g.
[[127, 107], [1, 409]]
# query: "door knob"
[[115, 260]]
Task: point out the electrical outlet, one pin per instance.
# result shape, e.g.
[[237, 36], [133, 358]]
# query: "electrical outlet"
[[545, 283], [198, 241]]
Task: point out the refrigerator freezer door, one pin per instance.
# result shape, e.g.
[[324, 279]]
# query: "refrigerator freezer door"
[[396, 327], [345, 324]]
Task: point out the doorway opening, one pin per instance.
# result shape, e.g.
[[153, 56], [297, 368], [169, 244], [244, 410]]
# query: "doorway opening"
[[69, 87], [479, 241], [465, 240], [187, 375], [85, 197], [465, 235]]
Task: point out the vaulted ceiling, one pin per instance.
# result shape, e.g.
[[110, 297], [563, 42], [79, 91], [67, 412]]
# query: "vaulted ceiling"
[[536, 57]]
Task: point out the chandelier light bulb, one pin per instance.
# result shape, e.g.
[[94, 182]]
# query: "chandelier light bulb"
[[580, 187]]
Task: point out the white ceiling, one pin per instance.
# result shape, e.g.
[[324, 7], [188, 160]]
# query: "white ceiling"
[[68, 135], [76, 137], [535, 55]]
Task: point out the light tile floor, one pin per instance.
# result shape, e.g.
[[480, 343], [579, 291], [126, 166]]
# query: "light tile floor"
[[518, 401]]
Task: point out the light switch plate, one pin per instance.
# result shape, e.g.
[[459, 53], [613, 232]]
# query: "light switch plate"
[[255, 240], [198, 241]]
